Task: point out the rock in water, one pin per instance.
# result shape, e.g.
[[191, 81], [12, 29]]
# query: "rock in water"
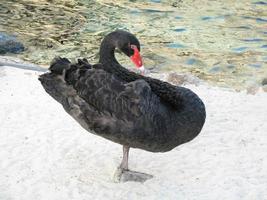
[[9, 44], [264, 81]]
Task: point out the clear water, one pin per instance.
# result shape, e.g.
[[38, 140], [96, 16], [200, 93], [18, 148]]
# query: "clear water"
[[223, 42]]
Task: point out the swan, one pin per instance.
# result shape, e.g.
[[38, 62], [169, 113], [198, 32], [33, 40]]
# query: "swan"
[[125, 107]]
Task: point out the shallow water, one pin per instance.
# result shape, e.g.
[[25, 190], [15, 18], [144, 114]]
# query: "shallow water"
[[223, 42]]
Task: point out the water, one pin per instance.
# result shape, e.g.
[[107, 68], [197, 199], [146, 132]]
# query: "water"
[[223, 42]]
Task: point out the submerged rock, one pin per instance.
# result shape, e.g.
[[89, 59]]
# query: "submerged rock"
[[264, 84], [180, 79], [253, 89], [264, 88], [264, 81], [9, 44]]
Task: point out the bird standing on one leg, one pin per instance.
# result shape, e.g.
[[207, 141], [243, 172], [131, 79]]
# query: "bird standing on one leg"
[[125, 107]]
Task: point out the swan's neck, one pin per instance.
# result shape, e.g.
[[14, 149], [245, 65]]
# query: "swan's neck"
[[107, 52]]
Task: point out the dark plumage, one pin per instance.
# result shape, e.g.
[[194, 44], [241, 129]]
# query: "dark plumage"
[[122, 106]]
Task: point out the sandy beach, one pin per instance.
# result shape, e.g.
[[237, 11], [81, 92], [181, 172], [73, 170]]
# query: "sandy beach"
[[45, 154]]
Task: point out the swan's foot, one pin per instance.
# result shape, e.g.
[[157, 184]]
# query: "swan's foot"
[[122, 175]]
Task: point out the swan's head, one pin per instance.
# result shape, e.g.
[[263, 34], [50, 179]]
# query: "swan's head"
[[130, 46]]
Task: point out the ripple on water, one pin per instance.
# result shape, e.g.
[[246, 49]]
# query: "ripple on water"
[[155, 11], [240, 49], [215, 69], [248, 17], [253, 40], [243, 27], [260, 3], [179, 29], [258, 19], [206, 18], [191, 61], [230, 66], [135, 12], [255, 65], [178, 17], [221, 17], [261, 20], [155, 1], [175, 45]]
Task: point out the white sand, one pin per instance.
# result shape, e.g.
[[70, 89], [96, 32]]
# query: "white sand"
[[46, 155]]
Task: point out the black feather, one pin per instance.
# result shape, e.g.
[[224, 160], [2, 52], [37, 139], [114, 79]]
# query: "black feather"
[[58, 64]]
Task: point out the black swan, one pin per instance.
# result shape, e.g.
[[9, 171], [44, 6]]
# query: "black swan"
[[123, 106]]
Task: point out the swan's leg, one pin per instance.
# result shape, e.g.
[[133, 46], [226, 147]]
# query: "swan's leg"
[[124, 162], [123, 173]]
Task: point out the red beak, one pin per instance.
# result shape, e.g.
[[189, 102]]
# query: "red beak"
[[136, 57]]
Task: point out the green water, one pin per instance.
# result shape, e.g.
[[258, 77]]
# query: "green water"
[[223, 42]]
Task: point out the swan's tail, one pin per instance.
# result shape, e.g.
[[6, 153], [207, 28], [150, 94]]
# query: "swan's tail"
[[62, 76], [69, 72], [58, 65]]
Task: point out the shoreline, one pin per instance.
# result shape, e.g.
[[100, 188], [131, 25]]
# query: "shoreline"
[[19, 63], [172, 77]]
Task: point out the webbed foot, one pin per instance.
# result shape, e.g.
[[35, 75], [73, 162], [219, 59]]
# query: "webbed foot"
[[122, 175]]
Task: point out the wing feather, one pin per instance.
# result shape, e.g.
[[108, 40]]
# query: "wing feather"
[[106, 93]]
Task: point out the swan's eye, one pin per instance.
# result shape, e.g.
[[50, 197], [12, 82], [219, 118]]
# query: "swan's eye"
[[130, 50], [133, 47]]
